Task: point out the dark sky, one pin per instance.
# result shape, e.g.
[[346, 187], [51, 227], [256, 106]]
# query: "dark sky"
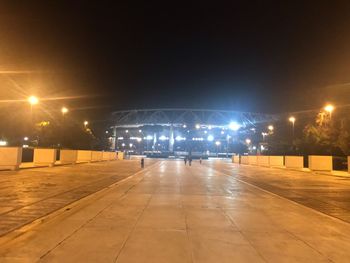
[[237, 55]]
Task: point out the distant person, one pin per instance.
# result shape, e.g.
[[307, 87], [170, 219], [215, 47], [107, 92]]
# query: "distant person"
[[189, 161], [142, 162], [185, 160], [200, 160]]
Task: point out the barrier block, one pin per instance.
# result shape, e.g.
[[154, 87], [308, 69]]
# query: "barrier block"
[[263, 160], [120, 155], [96, 156], [46, 157], [320, 163], [68, 156], [105, 156], [236, 159], [294, 161], [10, 157], [113, 156], [252, 159], [244, 159], [84, 156], [276, 161]]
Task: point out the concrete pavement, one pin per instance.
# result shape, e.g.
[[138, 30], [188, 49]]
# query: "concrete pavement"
[[173, 213]]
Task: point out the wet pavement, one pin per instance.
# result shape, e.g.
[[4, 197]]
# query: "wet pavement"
[[174, 213], [29, 194]]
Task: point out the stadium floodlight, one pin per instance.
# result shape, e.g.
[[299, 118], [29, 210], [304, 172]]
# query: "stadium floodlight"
[[179, 138], [210, 138], [234, 126]]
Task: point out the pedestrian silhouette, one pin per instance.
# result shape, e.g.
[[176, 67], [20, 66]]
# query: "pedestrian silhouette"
[[185, 160], [142, 163]]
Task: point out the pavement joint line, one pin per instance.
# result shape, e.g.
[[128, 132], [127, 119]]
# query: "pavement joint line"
[[284, 198], [20, 230], [134, 226]]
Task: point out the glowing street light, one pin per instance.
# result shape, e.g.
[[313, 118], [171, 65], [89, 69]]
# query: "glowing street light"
[[248, 141], [86, 123], [217, 143], [210, 138], [329, 108], [33, 100], [270, 128], [292, 119], [64, 110], [198, 126], [234, 126]]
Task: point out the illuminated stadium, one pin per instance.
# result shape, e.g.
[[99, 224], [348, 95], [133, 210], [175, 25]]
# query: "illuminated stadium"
[[179, 132]]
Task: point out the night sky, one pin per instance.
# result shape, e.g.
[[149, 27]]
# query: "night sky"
[[239, 55]]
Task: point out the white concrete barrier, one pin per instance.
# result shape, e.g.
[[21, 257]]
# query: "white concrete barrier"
[[320, 163], [120, 155], [112, 156], [10, 158], [244, 159], [236, 159], [68, 156], [105, 156], [252, 159], [263, 160], [276, 161], [84, 156], [44, 157], [294, 162], [96, 156]]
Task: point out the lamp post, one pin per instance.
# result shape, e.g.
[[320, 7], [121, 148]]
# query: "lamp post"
[[64, 111], [329, 108], [292, 120]]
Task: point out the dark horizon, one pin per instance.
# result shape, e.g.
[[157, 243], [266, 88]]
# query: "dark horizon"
[[271, 58]]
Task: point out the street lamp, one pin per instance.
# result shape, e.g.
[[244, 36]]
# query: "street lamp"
[[248, 141], [292, 120], [33, 100], [86, 123], [329, 108], [64, 110], [270, 128]]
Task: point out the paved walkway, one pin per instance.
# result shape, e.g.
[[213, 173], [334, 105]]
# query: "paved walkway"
[[29, 194], [173, 213]]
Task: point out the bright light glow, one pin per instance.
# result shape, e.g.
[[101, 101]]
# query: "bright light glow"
[[149, 137], [248, 141], [26, 138], [135, 138], [140, 131], [205, 132], [270, 128], [179, 138], [210, 138], [123, 144], [163, 138], [106, 132], [184, 126], [198, 126], [64, 110], [139, 139], [86, 123], [126, 131], [120, 138], [222, 132], [217, 143], [33, 100], [254, 147], [197, 139], [25, 145], [130, 144], [264, 134], [3, 143], [262, 147], [234, 126], [329, 108], [292, 119], [209, 127]]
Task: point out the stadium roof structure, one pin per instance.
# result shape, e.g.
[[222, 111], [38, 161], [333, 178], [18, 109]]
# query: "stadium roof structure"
[[178, 117]]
